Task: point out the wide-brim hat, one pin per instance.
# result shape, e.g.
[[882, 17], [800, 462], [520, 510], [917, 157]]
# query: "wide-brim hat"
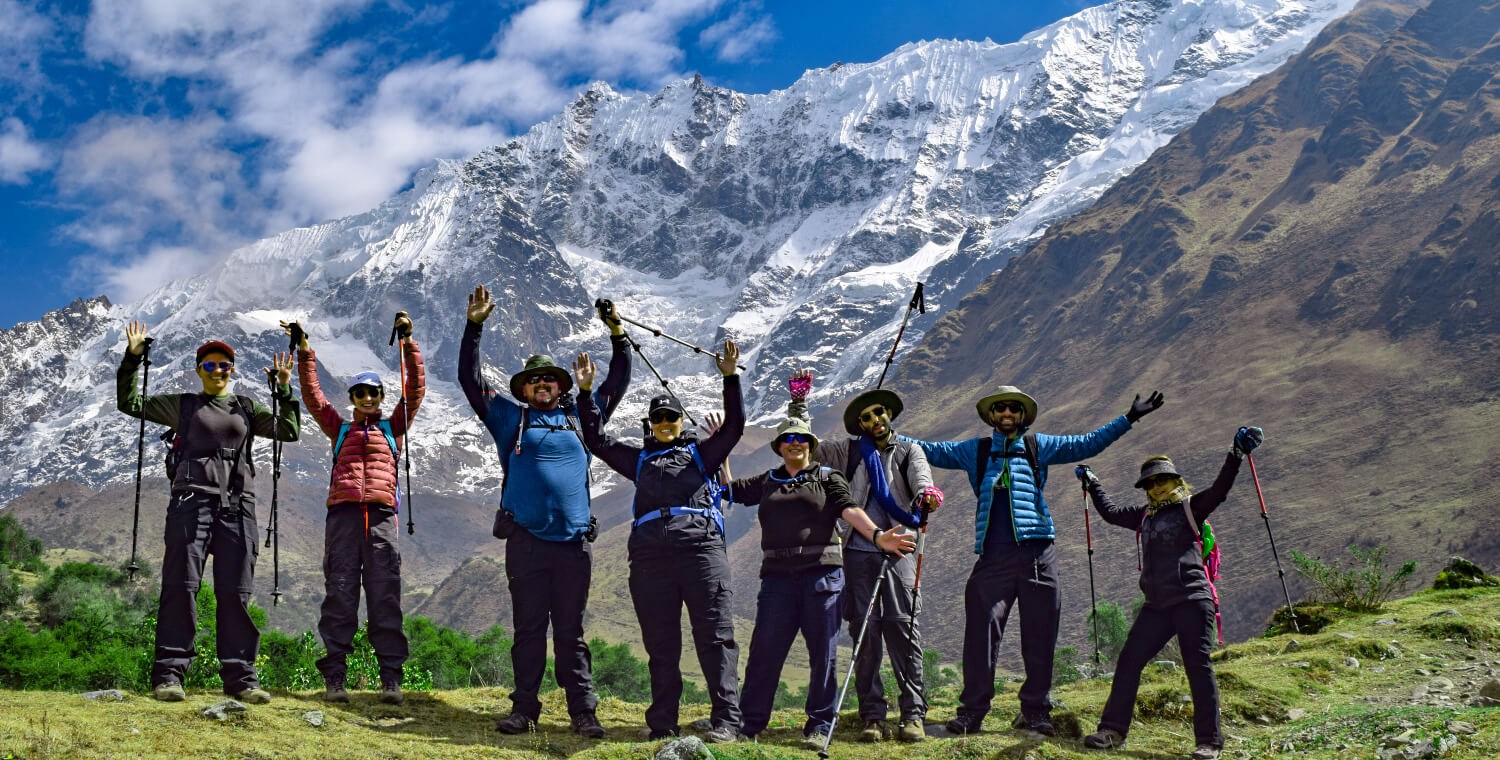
[[1007, 393], [793, 426], [538, 364], [1154, 467], [885, 398]]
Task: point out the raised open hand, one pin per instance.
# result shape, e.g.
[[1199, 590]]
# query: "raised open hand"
[[282, 371], [800, 384], [713, 422], [480, 305], [584, 371], [135, 337], [1139, 408], [728, 359]]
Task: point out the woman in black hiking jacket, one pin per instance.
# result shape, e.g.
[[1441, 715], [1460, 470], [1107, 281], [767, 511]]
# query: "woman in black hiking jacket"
[[677, 553], [1180, 597]]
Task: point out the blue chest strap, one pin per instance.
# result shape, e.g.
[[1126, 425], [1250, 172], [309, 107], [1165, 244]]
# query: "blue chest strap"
[[716, 490]]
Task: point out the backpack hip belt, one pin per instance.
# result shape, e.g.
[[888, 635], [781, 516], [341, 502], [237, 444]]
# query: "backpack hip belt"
[[833, 551], [672, 511]]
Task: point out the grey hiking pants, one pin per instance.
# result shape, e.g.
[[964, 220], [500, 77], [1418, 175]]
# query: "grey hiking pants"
[[359, 547], [893, 622]]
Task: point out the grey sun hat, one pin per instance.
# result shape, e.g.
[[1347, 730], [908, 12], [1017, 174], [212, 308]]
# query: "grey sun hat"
[[1153, 467], [537, 364], [793, 426], [1007, 393], [887, 399]]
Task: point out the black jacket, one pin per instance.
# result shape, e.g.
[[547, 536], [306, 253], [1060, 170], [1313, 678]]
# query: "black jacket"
[[669, 479], [1172, 569]]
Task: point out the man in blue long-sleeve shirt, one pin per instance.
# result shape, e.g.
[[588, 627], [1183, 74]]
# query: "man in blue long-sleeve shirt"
[[1013, 534], [547, 557]]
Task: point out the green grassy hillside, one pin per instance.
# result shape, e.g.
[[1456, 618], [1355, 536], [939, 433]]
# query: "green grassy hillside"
[[1367, 686]]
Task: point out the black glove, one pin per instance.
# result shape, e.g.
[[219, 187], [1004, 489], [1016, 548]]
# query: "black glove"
[[1086, 477], [1139, 408], [605, 306], [1246, 440]]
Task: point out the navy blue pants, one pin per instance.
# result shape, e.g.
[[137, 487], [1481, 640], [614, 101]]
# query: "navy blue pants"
[[198, 526], [1023, 576], [1192, 622], [807, 602]]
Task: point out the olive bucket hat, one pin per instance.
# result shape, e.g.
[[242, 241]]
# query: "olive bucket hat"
[[887, 399], [538, 364], [793, 426], [1153, 467], [1007, 393]]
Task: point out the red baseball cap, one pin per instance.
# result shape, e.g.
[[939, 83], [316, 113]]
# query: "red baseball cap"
[[215, 346]]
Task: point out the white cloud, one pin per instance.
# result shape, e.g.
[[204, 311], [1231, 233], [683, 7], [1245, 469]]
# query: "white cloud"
[[738, 37], [19, 155], [24, 34], [139, 276]]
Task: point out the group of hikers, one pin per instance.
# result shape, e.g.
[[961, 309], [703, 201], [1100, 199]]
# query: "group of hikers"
[[840, 523]]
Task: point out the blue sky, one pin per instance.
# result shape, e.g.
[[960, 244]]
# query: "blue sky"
[[146, 136]]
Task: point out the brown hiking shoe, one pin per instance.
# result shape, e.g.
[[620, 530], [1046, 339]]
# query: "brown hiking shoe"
[[254, 696], [169, 691], [587, 726], [912, 731], [1106, 738], [334, 691], [874, 731], [1205, 752], [390, 692]]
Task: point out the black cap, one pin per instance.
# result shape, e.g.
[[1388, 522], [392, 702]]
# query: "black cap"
[[664, 402]]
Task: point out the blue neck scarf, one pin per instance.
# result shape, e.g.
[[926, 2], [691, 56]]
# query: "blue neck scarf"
[[879, 488]]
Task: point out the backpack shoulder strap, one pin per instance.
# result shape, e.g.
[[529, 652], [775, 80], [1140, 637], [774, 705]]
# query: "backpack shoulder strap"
[[981, 458], [1192, 524], [851, 460], [390, 435], [1030, 443], [338, 443]]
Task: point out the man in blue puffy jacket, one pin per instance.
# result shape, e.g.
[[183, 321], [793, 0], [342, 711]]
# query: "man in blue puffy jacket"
[[548, 559], [1013, 536]]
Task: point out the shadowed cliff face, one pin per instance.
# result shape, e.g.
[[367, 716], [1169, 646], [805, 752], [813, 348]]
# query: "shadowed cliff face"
[[1317, 255]]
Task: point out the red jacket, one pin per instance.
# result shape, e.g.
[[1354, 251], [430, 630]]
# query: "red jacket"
[[364, 470]]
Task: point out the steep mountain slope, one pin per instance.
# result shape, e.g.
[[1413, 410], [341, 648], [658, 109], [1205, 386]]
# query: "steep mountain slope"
[[1317, 256]]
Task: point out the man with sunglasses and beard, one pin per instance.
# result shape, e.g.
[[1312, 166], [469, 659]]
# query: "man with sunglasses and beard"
[[1013, 534], [212, 510], [548, 555], [677, 549], [362, 524], [889, 478]]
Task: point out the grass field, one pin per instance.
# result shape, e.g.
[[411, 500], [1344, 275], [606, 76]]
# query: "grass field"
[[1276, 703]]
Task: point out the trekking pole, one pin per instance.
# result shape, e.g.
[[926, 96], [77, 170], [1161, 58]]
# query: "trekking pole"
[[658, 333], [271, 525], [140, 456], [411, 522], [1279, 573], [603, 305], [920, 304], [1088, 534], [885, 567]]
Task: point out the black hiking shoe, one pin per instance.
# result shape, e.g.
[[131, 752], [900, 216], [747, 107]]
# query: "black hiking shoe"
[[334, 691], [1105, 738], [1038, 722], [965, 723], [587, 725], [515, 723], [390, 692]]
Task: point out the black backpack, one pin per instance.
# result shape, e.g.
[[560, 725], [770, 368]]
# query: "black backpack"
[[983, 456], [187, 406]]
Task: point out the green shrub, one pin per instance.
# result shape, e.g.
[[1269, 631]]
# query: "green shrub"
[[1363, 587], [618, 673], [10, 590], [287, 662], [18, 549], [1067, 666], [1113, 626], [1311, 618]]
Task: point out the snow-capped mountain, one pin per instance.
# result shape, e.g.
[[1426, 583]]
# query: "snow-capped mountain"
[[795, 222]]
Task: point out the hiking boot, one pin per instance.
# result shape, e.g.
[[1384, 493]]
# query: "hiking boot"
[[912, 731], [652, 734], [722, 735], [334, 691], [169, 691], [1106, 738], [1040, 723], [515, 723], [587, 725], [965, 723], [254, 696], [874, 731], [814, 742], [1205, 752], [390, 692]]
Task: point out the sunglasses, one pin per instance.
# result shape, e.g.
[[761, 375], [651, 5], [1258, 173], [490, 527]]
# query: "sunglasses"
[[795, 438], [363, 391], [871, 413], [664, 415], [1007, 406], [218, 366], [1157, 480], [538, 379]]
